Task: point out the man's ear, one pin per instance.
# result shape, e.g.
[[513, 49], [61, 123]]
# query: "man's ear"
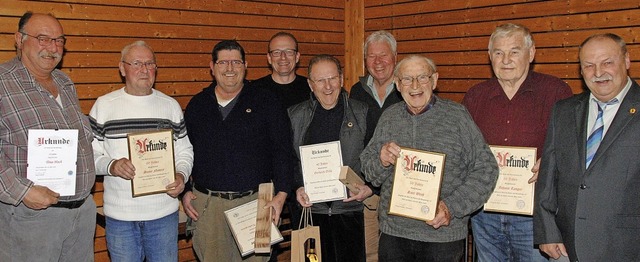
[[18, 38]]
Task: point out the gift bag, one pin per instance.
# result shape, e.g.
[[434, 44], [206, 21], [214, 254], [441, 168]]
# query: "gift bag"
[[301, 249]]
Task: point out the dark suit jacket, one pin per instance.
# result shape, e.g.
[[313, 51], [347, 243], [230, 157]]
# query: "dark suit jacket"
[[595, 212]]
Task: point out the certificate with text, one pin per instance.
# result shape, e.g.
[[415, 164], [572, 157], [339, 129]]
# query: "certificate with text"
[[513, 194], [416, 184], [321, 164], [151, 153], [242, 222], [51, 159]]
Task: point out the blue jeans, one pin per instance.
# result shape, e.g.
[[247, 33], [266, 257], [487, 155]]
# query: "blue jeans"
[[157, 240], [398, 249], [502, 237]]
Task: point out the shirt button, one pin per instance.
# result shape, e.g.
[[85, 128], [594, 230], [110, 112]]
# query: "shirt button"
[[505, 140], [508, 122], [583, 186]]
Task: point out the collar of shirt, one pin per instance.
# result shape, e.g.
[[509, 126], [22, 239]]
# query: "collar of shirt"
[[524, 87], [374, 92], [609, 112], [432, 101]]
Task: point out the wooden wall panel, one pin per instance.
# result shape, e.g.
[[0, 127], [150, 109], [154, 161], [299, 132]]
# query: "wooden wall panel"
[[456, 33], [182, 34]]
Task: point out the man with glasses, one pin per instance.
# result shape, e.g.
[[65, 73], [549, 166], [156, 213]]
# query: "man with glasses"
[[331, 116], [38, 223], [146, 226], [512, 109], [241, 137], [430, 123], [283, 56]]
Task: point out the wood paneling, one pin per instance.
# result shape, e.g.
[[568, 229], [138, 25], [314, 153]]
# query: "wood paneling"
[[456, 33], [182, 34]]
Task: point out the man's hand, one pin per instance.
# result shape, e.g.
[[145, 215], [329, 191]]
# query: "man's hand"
[[122, 168], [188, 208], [40, 197], [276, 203], [554, 250], [364, 191], [302, 197], [443, 216], [535, 170], [389, 153], [177, 186]]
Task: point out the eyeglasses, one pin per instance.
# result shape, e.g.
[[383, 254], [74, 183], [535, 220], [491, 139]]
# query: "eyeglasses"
[[234, 63], [45, 40], [286, 52], [333, 80], [138, 65], [422, 80]]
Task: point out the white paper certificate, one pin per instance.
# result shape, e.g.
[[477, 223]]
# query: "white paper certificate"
[[242, 222], [321, 165], [51, 159], [513, 193]]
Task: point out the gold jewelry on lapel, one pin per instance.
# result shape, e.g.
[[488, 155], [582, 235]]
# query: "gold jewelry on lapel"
[[350, 124], [632, 111], [248, 110]]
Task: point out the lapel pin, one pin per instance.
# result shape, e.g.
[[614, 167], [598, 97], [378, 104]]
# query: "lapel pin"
[[248, 110], [632, 111], [350, 124]]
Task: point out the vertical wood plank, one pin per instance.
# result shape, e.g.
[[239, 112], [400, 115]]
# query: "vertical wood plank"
[[353, 41]]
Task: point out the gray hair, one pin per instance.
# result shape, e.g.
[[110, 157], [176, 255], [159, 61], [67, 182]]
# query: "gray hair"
[[614, 37], [396, 71], [128, 47], [508, 30], [381, 36]]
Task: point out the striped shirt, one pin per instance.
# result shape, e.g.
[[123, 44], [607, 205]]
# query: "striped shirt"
[[24, 105]]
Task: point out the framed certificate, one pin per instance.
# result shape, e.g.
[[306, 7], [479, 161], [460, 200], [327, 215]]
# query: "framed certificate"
[[242, 222], [416, 184], [151, 153], [513, 193], [321, 164]]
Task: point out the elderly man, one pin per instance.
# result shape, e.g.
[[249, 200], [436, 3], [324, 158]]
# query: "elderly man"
[[283, 56], [241, 137], [38, 223], [331, 116], [587, 199], [511, 109], [138, 227], [377, 88], [427, 122], [378, 91]]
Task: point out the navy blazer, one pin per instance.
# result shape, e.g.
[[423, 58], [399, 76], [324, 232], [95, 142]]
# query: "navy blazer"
[[594, 211]]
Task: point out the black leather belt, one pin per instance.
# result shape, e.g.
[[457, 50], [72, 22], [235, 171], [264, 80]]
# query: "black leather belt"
[[69, 204], [225, 195]]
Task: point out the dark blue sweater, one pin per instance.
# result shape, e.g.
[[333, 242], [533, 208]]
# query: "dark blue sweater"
[[252, 145]]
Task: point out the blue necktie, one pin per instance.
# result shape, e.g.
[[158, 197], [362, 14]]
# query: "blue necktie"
[[593, 142]]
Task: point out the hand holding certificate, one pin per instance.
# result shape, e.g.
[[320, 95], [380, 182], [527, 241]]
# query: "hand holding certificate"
[[513, 193], [152, 155], [321, 165], [416, 184]]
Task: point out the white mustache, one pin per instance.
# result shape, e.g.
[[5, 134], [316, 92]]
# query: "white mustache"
[[602, 78], [46, 54]]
